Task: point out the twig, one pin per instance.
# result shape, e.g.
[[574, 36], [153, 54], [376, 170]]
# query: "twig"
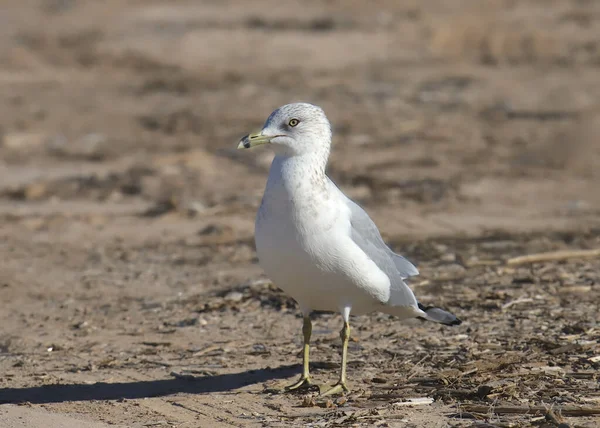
[[517, 301], [208, 349], [477, 263], [583, 375], [554, 256], [532, 410], [183, 376], [541, 115], [417, 365], [156, 363], [414, 401], [555, 419]]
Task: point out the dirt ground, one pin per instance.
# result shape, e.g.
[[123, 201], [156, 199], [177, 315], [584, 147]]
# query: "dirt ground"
[[131, 292]]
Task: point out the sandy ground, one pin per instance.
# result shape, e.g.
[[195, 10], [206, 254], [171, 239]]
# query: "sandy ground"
[[131, 293]]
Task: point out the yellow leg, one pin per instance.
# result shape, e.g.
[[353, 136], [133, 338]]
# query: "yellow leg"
[[305, 378], [340, 386]]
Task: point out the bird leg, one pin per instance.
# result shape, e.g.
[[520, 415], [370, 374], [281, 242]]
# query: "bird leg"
[[340, 386], [304, 380]]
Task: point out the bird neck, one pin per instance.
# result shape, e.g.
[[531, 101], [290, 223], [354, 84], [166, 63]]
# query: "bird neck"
[[303, 165], [295, 184]]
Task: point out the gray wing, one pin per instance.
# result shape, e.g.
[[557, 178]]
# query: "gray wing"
[[366, 235]]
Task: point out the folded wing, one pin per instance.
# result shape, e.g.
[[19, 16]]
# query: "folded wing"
[[366, 235]]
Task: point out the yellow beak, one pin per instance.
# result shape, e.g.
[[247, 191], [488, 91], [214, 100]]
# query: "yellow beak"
[[252, 140]]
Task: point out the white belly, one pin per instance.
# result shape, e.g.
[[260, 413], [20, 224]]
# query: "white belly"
[[316, 262]]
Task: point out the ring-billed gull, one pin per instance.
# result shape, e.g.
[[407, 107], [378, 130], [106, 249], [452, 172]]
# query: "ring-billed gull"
[[318, 245]]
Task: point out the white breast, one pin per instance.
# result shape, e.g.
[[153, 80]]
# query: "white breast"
[[303, 244]]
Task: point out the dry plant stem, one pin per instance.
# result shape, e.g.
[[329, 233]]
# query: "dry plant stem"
[[501, 410], [554, 256], [554, 418]]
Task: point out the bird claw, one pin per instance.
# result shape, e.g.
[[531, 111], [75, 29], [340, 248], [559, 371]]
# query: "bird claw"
[[303, 382], [338, 388]]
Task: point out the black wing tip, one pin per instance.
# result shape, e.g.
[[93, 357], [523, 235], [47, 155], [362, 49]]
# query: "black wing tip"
[[453, 322]]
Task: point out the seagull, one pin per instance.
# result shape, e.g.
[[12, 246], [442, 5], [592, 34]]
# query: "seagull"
[[319, 246]]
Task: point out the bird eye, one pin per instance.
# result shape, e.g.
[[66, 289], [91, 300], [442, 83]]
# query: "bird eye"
[[293, 122]]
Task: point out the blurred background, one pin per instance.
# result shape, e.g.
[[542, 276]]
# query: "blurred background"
[[122, 193], [449, 118]]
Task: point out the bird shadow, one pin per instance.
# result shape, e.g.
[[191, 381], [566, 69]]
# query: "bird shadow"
[[143, 389]]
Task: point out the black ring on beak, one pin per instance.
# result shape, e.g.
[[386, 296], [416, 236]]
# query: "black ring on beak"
[[246, 142]]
